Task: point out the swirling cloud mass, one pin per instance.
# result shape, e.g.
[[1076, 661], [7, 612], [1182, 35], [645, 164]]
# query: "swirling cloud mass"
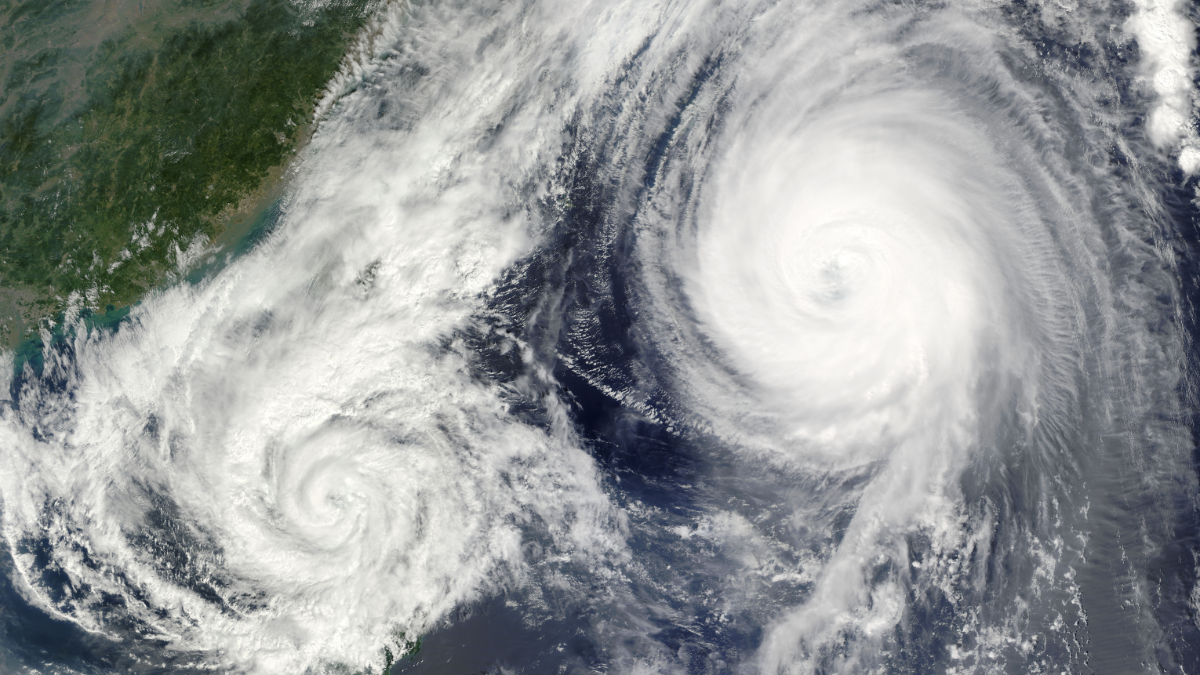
[[673, 337]]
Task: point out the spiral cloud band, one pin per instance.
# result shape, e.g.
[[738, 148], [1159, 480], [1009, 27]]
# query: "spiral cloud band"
[[660, 337]]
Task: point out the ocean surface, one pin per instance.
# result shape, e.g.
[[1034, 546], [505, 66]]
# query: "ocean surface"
[[703, 336]]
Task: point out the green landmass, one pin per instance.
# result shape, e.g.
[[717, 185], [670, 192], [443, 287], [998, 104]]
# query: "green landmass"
[[393, 656], [130, 131]]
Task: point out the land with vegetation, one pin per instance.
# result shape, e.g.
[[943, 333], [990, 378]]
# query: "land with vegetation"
[[132, 130]]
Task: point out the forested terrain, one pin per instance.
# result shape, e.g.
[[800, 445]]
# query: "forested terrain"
[[129, 132]]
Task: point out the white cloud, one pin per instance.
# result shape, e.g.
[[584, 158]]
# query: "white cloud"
[[1167, 39]]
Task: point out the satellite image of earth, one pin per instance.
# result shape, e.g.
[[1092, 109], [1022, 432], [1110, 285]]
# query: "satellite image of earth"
[[723, 337]]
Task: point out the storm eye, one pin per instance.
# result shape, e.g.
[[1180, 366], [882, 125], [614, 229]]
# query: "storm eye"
[[773, 337], [839, 277], [833, 281]]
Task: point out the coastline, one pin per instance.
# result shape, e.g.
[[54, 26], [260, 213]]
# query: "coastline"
[[27, 308]]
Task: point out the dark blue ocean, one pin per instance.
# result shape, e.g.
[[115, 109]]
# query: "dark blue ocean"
[[657, 337]]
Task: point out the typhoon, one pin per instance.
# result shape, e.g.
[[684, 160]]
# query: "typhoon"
[[779, 337]]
